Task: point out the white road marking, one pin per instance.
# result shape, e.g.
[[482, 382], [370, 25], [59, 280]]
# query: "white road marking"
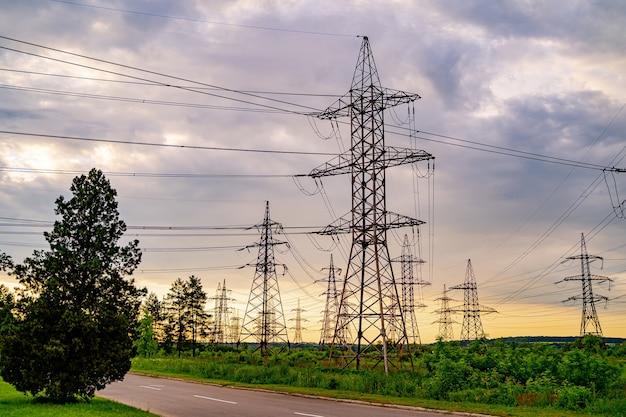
[[308, 415], [214, 399], [149, 387]]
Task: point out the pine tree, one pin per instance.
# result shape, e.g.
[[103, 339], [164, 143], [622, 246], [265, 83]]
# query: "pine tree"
[[75, 319]]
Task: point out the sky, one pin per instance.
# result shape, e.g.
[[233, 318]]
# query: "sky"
[[199, 112]]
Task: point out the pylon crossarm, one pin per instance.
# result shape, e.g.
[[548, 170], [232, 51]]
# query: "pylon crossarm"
[[589, 277], [394, 220], [394, 98], [341, 108], [339, 165], [484, 309], [395, 156]]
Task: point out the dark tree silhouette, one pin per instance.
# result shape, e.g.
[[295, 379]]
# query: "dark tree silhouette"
[[74, 322]]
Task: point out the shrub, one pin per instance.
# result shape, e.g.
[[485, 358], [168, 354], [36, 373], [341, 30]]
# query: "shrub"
[[573, 397]]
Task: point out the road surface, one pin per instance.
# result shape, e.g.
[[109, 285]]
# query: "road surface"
[[175, 398]]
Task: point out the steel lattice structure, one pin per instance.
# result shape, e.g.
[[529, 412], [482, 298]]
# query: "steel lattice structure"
[[369, 297], [331, 309], [264, 321], [589, 316], [222, 332], [445, 321], [297, 338], [408, 281], [472, 327]]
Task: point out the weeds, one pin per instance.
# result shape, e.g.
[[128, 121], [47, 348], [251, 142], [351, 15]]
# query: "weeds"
[[574, 377]]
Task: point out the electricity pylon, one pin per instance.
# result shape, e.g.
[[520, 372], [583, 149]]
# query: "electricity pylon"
[[264, 321], [221, 332], [297, 338], [331, 309], [590, 316], [408, 282], [235, 327], [445, 317], [369, 297], [472, 327]]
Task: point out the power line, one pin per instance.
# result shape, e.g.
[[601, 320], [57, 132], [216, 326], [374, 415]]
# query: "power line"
[[134, 100], [156, 83], [77, 77], [212, 22], [163, 145], [484, 147]]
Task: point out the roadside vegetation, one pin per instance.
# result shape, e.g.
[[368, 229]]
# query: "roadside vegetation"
[[581, 378]]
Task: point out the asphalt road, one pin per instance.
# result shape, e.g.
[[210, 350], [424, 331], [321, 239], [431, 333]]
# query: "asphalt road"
[[175, 398]]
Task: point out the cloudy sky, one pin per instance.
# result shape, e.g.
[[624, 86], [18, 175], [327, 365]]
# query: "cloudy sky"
[[199, 112]]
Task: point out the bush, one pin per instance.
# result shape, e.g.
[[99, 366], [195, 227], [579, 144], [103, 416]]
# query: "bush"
[[573, 397]]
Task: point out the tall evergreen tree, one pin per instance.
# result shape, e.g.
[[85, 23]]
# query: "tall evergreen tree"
[[74, 324], [197, 318], [154, 307], [184, 306], [177, 312]]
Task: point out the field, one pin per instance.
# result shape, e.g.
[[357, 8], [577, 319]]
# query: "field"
[[579, 379], [584, 378]]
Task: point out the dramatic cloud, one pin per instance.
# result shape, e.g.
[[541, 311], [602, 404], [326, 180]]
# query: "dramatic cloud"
[[207, 84]]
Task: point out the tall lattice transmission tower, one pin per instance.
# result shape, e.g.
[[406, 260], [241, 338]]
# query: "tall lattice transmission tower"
[[297, 338], [445, 321], [589, 324], [409, 281], [221, 331], [331, 309], [369, 305], [472, 327], [264, 321]]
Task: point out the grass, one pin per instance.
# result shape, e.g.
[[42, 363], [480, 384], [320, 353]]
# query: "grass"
[[15, 404], [487, 409]]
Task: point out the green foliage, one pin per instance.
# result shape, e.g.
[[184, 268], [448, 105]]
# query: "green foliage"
[[183, 319], [572, 397], [7, 304], [15, 404], [146, 344], [73, 323], [528, 375]]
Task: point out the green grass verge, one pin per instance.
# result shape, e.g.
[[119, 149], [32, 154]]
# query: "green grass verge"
[[487, 409], [15, 404]]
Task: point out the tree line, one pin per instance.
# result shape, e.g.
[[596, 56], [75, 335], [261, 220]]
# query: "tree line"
[[178, 323]]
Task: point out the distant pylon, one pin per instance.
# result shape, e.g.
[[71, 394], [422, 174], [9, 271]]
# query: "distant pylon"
[[331, 310], [445, 321], [369, 305], [590, 316], [221, 331], [407, 283], [472, 327], [297, 338], [235, 327], [264, 321]]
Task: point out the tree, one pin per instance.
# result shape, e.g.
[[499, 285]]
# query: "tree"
[[197, 318], [146, 344], [75, 320], [185, 304], [7, 301], [153, 306], [176, 307]]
